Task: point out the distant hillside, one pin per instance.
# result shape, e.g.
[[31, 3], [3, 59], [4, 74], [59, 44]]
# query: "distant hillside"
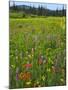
[[40, 10]]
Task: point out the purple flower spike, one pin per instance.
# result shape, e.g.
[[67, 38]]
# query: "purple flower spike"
[[16, 76], [17, 70]]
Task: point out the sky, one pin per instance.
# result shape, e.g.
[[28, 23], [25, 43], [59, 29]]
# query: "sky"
[[48, 5]]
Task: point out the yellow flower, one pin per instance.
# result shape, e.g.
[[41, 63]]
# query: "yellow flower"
[[20, 75], [13, 66], [37, 82], [43, 78], [29, 56], [26, 52], [62, 80], [48, 69], [50, 61], [28, 83]]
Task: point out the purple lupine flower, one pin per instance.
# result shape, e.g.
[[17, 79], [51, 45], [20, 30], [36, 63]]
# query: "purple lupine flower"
[[17, 70], [16, 76]]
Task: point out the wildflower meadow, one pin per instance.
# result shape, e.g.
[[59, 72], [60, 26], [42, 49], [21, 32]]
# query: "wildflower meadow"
[[37, 51]]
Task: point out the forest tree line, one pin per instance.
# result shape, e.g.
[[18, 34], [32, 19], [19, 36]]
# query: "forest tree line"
[[39, 11]]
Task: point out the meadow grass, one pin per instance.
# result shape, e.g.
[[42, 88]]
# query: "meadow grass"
[[37, 52]]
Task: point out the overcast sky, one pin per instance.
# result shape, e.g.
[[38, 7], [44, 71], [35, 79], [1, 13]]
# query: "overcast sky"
[[48, 5]]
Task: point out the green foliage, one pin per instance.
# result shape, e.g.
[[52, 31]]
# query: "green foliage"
[[17, 15], [24, 15]]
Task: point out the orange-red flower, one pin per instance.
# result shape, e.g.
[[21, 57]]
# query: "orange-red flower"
[[24, 75], [27, 65]]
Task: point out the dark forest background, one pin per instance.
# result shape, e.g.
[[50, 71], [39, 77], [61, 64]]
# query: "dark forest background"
[[36, 11]]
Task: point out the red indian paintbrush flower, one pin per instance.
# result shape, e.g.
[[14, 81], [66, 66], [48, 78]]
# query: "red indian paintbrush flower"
[[24, 75], [27, 65]]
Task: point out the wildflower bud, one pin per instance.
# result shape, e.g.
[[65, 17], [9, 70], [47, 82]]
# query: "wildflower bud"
[[32, 50]]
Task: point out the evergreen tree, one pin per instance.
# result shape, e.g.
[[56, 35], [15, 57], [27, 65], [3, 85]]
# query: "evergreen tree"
[[63, 11]]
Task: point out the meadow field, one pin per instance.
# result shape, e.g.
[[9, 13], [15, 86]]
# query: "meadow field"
[[37, 52]]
